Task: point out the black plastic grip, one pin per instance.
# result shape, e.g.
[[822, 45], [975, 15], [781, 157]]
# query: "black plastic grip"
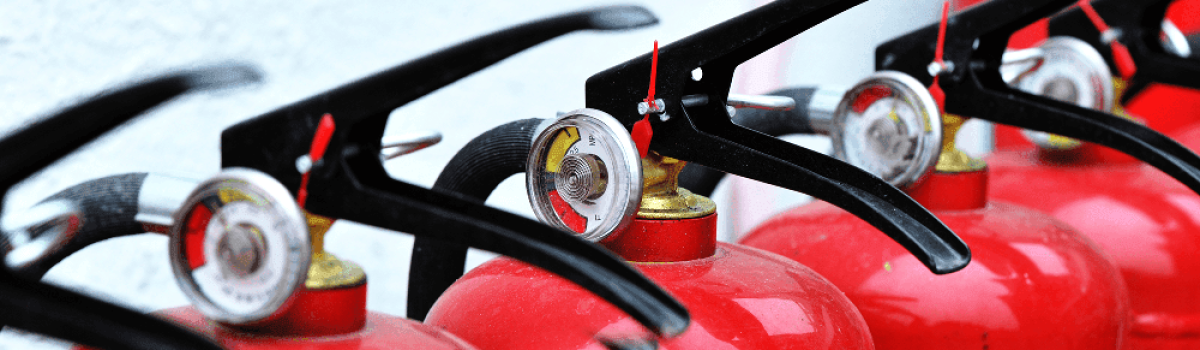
[[475, 171], [109, 206], [703, 180], [40, 143], [45, 309]]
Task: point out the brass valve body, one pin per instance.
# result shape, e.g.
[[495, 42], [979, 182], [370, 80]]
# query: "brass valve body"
[[952, 159], [662, 198], [326, 271]]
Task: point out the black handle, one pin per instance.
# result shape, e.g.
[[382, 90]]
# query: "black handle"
[[704, 134], [365, 104], [975, 42], [475, 171], [703, 180], [41, 143], [108, 205], [350, 182], [45, 309]]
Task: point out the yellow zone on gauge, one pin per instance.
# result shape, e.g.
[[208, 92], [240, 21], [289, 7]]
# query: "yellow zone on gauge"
[[231, 194], [563, 140]]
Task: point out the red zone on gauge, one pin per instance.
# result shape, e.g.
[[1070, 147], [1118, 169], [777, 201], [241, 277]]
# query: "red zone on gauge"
[[565, 141]]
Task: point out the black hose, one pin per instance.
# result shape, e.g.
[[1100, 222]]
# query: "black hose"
[[109, 206], [45, 309], [474, 171], [703, 180]]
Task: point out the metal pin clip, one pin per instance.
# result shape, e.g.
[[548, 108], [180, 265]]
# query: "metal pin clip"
[[397, 145], [1016, 65]]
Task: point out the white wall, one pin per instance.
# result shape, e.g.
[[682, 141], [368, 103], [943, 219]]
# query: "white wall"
[[56, 51]]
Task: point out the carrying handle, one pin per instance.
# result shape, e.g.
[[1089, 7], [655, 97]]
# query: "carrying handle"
[[1136, 25], [975, 43], [704, 134], [350, 182], [37, 307], [32, 148]]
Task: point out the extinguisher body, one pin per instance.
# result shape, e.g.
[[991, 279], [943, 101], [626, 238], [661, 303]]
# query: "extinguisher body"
[[739, 298], [1033, 283], [1143, 219]]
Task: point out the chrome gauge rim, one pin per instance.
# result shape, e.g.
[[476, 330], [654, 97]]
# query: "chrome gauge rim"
[[240, 247], [1072, 72], [888, 125], [584, 174]]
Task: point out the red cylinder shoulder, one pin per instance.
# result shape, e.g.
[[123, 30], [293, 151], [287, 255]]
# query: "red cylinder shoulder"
[[739, 298], [1032, 282], [1145, 220], [381, 332]]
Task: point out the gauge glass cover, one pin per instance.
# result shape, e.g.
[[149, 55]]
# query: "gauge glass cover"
[[888, 125], [1072, 72], [240, 247], [584, 174]]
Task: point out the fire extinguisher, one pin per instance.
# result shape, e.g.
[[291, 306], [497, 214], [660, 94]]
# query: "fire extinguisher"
[[858, 278], [609, 173], [1158, 96], [246, 245], [1141, 218], [42, 308]]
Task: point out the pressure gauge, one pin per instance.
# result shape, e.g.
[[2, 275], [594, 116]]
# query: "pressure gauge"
[[888, 125], [240, 247], [1072, 72], [584, 174]]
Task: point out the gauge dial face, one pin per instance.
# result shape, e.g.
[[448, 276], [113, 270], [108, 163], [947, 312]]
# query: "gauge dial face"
[[584, 174], [889, 126], [240, 247], [1072, 72]]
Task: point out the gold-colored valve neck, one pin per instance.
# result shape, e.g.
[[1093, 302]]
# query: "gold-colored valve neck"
[[1119, 86], [326, 271], [662, 198], [952, 159]]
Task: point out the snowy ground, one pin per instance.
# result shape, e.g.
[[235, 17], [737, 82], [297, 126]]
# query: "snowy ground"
[[55, 52]]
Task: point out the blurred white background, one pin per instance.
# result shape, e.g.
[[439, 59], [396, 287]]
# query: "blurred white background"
[[55, 52]]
